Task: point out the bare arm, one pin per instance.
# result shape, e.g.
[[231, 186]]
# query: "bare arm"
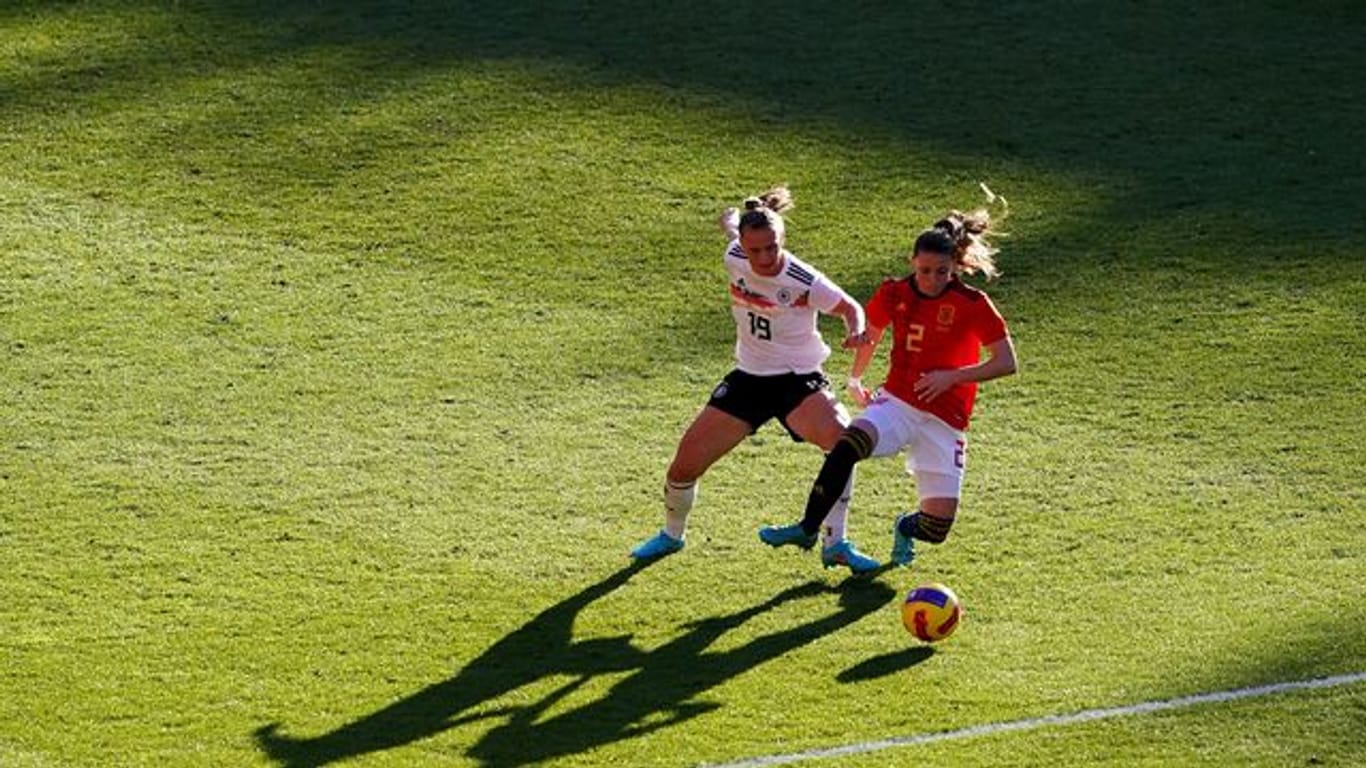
[[863, 355], [729, 222], [852, 313]]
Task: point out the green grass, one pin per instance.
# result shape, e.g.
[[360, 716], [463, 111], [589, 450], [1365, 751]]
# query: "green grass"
[[344, 347]]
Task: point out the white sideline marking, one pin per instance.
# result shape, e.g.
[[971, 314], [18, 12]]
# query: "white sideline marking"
[[1029, 724]]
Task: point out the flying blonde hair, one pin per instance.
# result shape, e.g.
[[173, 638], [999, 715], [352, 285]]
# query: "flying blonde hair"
[[969, 235]]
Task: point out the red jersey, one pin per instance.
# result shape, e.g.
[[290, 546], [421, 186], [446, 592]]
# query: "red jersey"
[[947, 331]]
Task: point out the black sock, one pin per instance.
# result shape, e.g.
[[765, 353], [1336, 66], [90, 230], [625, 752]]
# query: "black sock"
[[925, 527], [854, 446]]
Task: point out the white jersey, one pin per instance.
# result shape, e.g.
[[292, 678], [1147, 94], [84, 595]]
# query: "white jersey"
[[775, 317]]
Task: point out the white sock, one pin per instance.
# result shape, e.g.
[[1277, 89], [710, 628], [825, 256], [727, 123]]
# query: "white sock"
[[678, 501], [835, 526]]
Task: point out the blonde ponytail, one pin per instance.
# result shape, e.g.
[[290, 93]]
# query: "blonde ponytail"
[[764, 210]]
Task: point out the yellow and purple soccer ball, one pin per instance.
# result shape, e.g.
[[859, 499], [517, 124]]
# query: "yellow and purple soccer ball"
[[931, 612]]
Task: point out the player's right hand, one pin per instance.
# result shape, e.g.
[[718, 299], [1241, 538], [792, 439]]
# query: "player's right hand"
[[858, 393]]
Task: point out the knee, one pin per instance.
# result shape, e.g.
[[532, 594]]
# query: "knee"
[[854, 444], [827, 439], [682, 473]]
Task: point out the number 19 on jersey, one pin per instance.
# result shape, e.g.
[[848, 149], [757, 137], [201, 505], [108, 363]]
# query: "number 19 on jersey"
[[759, 327]]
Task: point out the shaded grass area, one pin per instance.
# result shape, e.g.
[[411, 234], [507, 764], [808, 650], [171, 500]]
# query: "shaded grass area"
[[1176, 110]]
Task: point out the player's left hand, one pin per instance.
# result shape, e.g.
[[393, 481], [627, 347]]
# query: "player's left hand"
[[729, 222], [932, 384]]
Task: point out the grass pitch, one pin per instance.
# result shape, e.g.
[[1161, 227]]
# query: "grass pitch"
[[345, 346]]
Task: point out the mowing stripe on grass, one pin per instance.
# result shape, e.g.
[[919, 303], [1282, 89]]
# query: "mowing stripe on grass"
[[1029, 724]]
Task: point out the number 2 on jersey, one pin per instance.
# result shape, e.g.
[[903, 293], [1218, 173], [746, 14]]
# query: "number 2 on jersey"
[[759, 327], [915, 333]]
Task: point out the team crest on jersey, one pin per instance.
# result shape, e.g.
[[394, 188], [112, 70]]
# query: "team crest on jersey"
[[946, 314], [784, 296]]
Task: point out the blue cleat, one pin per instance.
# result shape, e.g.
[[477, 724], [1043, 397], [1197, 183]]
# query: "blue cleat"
[[903, 550], [656, 546], [844, 553], [783, 535]]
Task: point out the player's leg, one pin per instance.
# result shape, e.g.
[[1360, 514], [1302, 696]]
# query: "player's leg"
[[810, 413], [881, 430], [938, 460], [835, 473], [712, 434], [822, 420], [738, 406], [930, 523]]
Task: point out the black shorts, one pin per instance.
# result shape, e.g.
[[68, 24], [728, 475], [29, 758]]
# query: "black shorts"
[[756, 399]]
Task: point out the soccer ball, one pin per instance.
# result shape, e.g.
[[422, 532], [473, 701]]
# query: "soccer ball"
[[931, 612]]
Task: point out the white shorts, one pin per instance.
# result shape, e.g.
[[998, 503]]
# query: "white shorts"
[[936, 453]]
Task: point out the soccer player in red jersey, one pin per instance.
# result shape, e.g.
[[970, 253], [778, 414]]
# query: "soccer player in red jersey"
[[940, 326]]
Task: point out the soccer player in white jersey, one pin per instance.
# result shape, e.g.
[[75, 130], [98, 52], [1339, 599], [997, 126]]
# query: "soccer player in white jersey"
[[775, 300]]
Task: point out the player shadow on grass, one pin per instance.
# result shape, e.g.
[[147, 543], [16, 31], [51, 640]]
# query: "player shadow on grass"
[[543, 646], [656, 694], [661, 691]]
